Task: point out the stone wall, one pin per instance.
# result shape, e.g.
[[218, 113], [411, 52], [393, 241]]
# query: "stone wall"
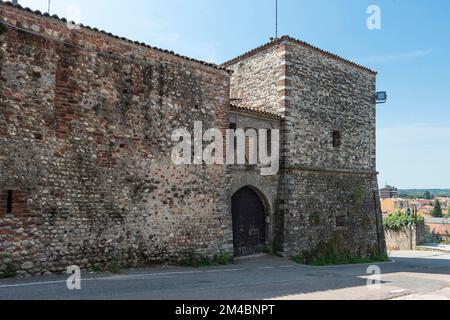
[[327, 209], [332, 186], [324, 96], [85, 127], [328, 189], [406, 239], [256, 80]]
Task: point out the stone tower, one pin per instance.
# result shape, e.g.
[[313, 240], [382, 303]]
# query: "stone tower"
[[328, 191]]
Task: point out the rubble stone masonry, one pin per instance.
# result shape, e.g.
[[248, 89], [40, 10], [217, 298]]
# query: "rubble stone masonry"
[[86, 176], [85, 128], [328, 194]]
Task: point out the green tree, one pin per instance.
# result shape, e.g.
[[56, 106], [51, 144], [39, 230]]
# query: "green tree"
[[427, 195], [448, 211], [437, 212], [398, 221]]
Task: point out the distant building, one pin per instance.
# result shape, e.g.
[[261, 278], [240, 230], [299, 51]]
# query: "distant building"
[[419, 203], [439, 227], [445, 201], [390, 205], [388, 192], [426, 210]]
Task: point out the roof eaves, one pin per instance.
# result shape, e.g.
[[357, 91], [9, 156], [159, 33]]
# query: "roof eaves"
[[299, 42], [240, 107], [109, 34]]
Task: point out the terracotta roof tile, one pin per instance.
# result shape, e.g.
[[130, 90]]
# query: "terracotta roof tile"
[[109, 34], [299, 42], [243, 107]]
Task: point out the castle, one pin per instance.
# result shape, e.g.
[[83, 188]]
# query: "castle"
[[86, 176]]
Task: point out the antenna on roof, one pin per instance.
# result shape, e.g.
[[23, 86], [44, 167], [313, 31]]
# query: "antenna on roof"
[[276, 19]]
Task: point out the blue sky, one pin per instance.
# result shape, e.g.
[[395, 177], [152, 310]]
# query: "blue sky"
[[411, 53]]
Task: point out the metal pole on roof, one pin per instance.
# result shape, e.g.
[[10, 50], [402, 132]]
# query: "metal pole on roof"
[[276, 19]]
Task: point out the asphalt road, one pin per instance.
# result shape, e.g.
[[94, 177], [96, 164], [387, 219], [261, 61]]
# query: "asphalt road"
[[411, 275]]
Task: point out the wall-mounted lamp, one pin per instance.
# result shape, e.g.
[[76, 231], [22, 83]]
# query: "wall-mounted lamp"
[[381, 97]]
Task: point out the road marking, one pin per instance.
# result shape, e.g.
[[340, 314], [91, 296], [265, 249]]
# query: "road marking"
[[399, 291], [135, 276], [227, 270], [31, 284], [117, 278]]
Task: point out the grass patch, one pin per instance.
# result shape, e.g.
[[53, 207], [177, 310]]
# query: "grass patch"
[[340, 260], [115, 266], [96, 269], [335, 252], [2, 29], [222, 259], [271, 250], [196, 260], [9, 272]]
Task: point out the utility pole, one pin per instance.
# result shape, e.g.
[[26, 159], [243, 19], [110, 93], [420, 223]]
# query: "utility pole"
[[49, 3], [409, 213]]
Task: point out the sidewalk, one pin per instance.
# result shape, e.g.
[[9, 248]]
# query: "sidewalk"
[[435, 247], [438, 295]]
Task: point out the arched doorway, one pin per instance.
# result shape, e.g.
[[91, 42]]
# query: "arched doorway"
[[249, 222]]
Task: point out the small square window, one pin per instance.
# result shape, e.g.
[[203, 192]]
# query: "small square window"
[[336, 139], [9, 202], [341, 221]]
